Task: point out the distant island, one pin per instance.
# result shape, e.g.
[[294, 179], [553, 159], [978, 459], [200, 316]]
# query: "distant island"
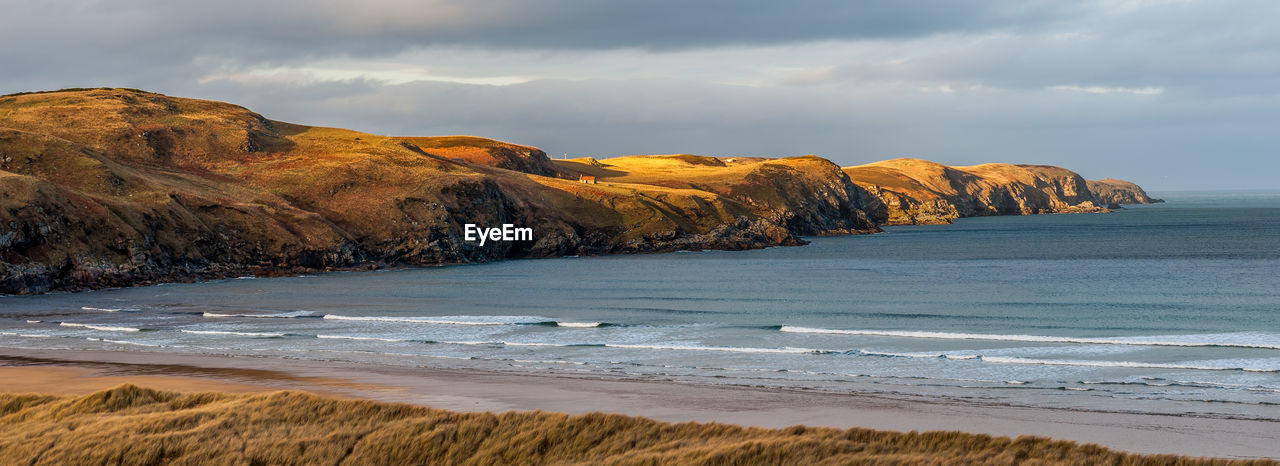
[[120, 187]]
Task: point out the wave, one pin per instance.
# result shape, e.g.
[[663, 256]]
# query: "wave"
[[1233, 340], [243, 334], [1125, 364], [352, 337], [729, 349], [107, 309], [451, 320], [26, 335], [123, 342], [274, 315], [581, 324], [915, 355], [1158, 382], [105, 328], [1064, 362]]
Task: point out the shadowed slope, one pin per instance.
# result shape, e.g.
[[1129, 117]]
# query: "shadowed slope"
[[131, 425], [1113, 191]]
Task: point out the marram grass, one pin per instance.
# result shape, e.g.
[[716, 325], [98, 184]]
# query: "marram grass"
[[132, 425]]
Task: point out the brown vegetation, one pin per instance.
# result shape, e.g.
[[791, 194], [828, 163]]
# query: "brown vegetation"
[[131, 425], [116, 187], [120, 187]]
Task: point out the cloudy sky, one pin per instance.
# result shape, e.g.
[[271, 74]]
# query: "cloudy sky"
[[1172, 94]]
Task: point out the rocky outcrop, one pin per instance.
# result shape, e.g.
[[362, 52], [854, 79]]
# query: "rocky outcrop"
[[1114, 192], [917, 191], [114, 187], [807, 195]]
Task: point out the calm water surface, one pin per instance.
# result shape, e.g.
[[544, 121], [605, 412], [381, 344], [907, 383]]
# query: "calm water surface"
[[1167, 308]]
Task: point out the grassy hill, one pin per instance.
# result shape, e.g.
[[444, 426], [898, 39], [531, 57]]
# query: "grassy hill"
[[131, 425], [117, 187]]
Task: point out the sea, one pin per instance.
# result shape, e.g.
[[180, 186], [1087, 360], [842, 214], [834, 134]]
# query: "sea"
[[1169, 308]]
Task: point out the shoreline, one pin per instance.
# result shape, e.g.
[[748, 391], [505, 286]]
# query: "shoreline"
[[241, 271], [475, 390]]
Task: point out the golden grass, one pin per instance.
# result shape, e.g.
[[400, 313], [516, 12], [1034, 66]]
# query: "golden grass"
[[231, 187], [132, 425]]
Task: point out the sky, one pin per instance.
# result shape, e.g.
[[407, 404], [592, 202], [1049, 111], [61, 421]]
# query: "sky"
[[1171, 94]]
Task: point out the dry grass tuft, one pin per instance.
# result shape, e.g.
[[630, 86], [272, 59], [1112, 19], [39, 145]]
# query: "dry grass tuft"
[[132, 425]]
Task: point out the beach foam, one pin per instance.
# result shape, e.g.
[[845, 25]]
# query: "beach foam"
[[358, 338], [274, 315], [123, 342], [105, 328], [1234, 340], [579, 324], [1127, 364], [450, 320], [727, 349], [105, 309], [242, 334]]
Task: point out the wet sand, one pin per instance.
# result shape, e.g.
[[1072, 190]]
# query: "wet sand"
[[74, 372]]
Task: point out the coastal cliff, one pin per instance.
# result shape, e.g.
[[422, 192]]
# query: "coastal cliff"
[[917, 192], [117, 187], [1119, 192]]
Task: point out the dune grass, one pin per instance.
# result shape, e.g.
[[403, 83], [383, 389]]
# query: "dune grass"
[[132, 425]]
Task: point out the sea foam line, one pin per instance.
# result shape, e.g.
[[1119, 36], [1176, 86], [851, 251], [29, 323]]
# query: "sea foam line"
[[1162, 340], [727, 349], [27, 335], [123, 342], [579, 324], [224, 332], [105, 309], [449, 320], [352, 337], [277, 315], [1127, 364], [105, 328]]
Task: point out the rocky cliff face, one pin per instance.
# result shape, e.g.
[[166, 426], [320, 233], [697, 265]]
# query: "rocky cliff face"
[[1119, 192], [917, 191], [808, 195], [113, 187]]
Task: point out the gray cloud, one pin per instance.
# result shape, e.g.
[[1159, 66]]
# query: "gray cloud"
[[1146, 141], [252, 28], [1128, 88]]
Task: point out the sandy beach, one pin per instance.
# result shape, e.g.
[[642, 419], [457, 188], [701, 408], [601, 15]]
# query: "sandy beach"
[[79, 372]]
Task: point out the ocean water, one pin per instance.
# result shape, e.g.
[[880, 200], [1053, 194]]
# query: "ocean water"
[[1171, 308]]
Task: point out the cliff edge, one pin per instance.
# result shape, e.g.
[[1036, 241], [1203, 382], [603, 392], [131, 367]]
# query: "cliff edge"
[[119, 187], [915, 192]]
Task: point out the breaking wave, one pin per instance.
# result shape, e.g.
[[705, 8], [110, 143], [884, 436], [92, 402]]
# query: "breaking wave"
[[105, 328], [1233, 340]]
